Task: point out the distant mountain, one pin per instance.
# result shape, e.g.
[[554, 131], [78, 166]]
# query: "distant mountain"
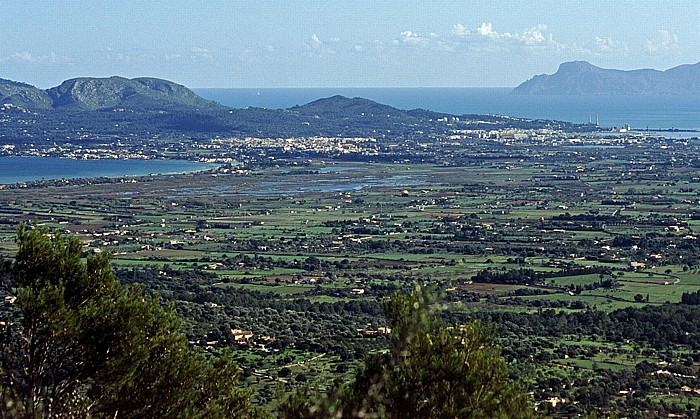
[[89, 93], [583, 78], [343, 107], [94, 109], [23, 95], [358, 114], [112, 92]]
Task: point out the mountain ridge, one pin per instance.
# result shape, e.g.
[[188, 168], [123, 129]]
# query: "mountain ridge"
[[91, 93], [23, 94], [87, 109], [584, 78]]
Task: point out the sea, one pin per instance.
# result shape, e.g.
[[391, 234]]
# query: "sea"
[[26, 169], [675, 116], [638, 112]]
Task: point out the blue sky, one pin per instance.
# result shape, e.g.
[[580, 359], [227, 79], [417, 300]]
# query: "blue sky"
[[346, 43]]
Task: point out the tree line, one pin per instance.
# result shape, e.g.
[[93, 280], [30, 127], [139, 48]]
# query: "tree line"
[[75, 342]]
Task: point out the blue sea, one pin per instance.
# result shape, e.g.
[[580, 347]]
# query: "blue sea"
[[25, 169], [640, 112]]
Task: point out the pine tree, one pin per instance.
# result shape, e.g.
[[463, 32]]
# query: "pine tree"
[[80, 344], [431, 370]]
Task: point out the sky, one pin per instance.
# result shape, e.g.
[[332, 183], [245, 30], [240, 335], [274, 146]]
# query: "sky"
[[339, 43]]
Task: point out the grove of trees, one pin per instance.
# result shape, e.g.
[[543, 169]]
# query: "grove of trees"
[[431, 370], [77, 343]]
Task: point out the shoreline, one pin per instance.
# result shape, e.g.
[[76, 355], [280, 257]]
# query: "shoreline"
[[33, 173]]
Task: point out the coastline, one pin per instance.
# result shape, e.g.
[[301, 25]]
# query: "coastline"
[[664, 112]]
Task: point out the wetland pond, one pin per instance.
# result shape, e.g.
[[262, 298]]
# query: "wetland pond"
[[324, 180]]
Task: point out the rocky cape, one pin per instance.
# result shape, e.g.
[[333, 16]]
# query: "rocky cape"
[[583, 78]]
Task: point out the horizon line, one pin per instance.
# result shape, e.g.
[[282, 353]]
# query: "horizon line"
[[357, 87]]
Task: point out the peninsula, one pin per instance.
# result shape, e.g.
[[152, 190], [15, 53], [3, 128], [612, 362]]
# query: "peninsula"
[[583, 78]]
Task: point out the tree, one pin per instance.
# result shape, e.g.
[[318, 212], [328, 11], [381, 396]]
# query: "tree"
[[78, 343], [431, 370]]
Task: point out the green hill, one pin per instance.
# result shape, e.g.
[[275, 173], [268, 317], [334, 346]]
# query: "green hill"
[[140, 93]]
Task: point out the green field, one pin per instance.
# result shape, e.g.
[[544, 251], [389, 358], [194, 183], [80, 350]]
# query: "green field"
[[305, 272]]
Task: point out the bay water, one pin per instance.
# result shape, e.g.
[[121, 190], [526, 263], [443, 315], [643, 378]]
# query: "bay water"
[[25, 169], [640, 112]]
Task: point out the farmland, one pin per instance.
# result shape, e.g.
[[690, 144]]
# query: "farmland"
[[572, 252]]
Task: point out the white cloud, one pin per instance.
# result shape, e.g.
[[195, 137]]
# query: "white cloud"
[[193, 55], [460, 30], [28, 57], [200, 54], [608, 46], [316, 42], [317, 48], [482, 38], [485, 37], [486, 29], [604, 44], [664, 41], [412, 38], [537, 36], [596, 47]]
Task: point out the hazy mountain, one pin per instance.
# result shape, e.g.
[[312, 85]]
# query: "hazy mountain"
[[88, 109], [343, 107], [23, 95], [583, 78], [112, 92], [87, 93]]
